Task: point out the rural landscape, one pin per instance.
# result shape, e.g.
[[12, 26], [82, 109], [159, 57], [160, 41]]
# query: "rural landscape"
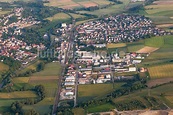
[[86, 57]]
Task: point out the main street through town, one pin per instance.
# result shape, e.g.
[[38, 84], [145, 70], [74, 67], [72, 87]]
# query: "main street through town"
[[69, 54]]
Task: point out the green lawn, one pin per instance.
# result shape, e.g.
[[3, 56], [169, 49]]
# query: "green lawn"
[[135, 46], [51, 69], [18, 94], [100, 108], [155, 42], [112, 45], [96, 90]]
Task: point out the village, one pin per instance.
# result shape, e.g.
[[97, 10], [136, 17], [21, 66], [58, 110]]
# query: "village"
[[119, 28], [12, 46]]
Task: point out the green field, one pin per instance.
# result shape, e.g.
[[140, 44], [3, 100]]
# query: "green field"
[[18, 94], [115, 9], [59, 17], [51, 69], [95, 90], [87, 92], [161, 71], [112, 45], [166, 90], [101, 108], [72, 4], [155, 41], [135, 46], [76, 15], [160, 12]]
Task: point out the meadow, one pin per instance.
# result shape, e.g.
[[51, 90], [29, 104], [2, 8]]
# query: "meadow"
[[3, 67], [112, 45], [161, 71], [58, 17], [51, 69], [18, 94], [92, 91]]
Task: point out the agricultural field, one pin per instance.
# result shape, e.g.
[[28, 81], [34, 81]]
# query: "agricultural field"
[[72, 4], [111, 45], [135, 46], [161, 12], [101, 108], [51, 69], [86, 92], [18, 94], [155, 42], [115, 9], [161, 71], [48, 78], [155, 92], [147, 49], [59, 17], [75, 16], [163, 54]]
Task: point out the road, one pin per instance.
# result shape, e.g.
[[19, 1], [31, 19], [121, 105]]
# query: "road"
[[69, 53]]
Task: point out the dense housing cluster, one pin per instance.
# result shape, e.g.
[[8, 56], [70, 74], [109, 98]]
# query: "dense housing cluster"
[[120, 28]]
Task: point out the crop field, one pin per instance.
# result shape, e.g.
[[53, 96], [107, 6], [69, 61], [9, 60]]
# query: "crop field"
[[17, 94], [147, 49], [163, 54], [48, 78], [161, 12], [87, 4], [71, 4], [96, 90], [161, 71], [115, 9], [59, 16], [160, 81]]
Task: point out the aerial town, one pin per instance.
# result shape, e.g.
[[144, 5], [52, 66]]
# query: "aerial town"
[[86, 57], [13, 47]]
